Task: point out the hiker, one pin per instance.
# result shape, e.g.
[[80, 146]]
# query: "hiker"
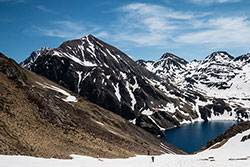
[[153, 159]]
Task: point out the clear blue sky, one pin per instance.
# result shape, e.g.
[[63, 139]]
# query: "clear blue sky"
[[144, 29]]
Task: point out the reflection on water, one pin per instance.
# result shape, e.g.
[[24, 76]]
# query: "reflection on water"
[[191, 137]]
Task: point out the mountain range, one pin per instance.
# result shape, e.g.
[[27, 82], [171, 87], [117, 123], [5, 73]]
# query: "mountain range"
[[219, 75], [153, 95]]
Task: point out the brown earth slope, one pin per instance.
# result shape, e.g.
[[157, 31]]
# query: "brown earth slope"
[[36, 121]]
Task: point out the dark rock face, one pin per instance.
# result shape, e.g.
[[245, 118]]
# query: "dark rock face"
[[217, 108]]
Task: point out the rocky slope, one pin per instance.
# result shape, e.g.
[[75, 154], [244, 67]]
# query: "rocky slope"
[[40, 118]]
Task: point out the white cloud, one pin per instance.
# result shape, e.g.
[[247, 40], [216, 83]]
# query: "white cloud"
[[45, 9], [154, 25], [212, 1], [220, 32], [149, 24], [143, 39], [155, 10], [67, 29], [102, 34], [143, 25]]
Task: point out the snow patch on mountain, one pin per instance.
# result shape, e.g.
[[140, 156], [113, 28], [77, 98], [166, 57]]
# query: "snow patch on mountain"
[[117, 91], [147, 112], [133, 101], [69, 97], [79, 80]]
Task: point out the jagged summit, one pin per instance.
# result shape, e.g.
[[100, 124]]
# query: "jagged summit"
[[90, 51], [219, 56], [167, 55], [88, 36], [173, 57], [170, 58], [166, 66], [243, 58], [33, 57]]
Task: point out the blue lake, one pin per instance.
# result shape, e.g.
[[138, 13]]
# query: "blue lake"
[[191, 137]]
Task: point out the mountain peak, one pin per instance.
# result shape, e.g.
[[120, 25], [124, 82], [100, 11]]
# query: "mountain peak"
[[221, 53], [173, 57], [42, 50], [244, 58], [88, 36], [33, 56], [167, 55], [219, 56]]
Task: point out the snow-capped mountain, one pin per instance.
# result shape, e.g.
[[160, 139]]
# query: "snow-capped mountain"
[[111, 79], [34, 55], [219, 75], [167, 66], [214, 71]]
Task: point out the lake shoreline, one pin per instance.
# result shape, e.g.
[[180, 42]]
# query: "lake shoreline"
[[196, 134]]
